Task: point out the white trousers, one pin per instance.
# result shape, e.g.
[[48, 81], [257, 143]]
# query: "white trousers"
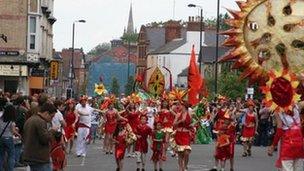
[[81, 147], [292, 165]]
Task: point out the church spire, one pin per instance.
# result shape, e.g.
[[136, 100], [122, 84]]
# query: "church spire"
[[130, 28]]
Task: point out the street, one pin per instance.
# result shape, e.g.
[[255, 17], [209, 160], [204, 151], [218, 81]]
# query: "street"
[[200, 159]]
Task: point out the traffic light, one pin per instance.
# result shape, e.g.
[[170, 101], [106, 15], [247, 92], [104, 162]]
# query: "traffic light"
[[69, 93]]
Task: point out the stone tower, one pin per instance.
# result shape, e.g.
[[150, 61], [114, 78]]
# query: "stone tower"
[[130, 27]]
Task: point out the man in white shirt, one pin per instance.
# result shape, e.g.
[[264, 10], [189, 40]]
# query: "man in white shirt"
[[58, 120], [84, 111]]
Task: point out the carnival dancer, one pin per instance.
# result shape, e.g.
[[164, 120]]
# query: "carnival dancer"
[[58, 152], [250, 124], [224, 150], [158, 145], [143, 132], [71, 119], [182, 124], [133, 115], [120, 137], [84, 112], [167, 119], [291, 152]]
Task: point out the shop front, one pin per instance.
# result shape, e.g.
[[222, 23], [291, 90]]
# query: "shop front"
[[14, 78]]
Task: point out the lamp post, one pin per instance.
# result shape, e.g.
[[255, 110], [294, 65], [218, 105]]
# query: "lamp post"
[[72, 73], [217, 45], [201, 28]]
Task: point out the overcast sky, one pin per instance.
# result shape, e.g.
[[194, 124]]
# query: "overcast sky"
[[106, 19]]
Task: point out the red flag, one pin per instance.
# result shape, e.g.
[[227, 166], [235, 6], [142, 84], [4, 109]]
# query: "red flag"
[[194, 80]]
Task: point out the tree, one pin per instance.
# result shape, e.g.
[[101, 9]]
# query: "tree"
[[130, 37], [230, 85], [115, 87], [100, 49], [129, 86], [211, 22]]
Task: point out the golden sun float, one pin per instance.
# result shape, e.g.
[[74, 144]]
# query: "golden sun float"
[[265, 35]]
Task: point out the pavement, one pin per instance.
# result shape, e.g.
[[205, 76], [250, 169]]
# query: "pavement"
[[201, 159]]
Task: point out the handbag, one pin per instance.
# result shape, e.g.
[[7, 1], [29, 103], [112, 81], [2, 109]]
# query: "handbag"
[[4, 129]]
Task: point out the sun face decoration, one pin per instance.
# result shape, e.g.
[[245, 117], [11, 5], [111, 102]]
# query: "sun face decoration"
[[100, 89], [266, 34], [280, 91]]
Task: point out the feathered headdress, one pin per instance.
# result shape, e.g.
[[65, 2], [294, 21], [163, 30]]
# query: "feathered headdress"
[[108, 101], [177, 95], [134, 98]]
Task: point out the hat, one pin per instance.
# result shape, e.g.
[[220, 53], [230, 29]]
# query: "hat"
[[134, 98], [177, 95]]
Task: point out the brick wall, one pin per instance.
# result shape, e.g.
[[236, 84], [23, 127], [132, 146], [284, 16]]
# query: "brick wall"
[[173, 30], [13, 23]]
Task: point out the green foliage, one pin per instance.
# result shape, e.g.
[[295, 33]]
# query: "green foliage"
[[129, 86], [100, 49], [132, 38], [211, 22], [115, 87], [230, 85]]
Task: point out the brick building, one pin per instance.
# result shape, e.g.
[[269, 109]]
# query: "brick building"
[[25, 57], [79, 80]]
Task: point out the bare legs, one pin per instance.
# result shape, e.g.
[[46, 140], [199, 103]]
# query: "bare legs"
[[108, 143], [183, 159]]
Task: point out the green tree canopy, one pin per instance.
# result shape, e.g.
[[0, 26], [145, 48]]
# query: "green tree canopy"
[[211, 22], [115, 87], [100, 49], [132, 38]]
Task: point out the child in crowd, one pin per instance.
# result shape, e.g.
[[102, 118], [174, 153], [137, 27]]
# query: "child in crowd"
[[158, 139], [58, 152]]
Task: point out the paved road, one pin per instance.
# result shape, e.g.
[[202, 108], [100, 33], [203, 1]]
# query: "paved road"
[[201, 159]]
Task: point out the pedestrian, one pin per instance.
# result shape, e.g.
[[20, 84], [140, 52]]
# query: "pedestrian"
[[143, 132], [158, 144], [37, 138], [71, 119], [7, 131], [58, 120], [291, 151], [250, 124]]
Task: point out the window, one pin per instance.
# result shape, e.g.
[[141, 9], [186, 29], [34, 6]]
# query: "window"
[[32, 41], [32, 32], [32, 24]]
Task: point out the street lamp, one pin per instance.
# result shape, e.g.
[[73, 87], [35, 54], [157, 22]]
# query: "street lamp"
[[72, 73], [217, 44], [201, 28]]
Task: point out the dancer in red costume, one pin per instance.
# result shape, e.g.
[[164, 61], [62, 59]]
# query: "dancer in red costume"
[[289, 134], [249, 127], [143, 131], [111, 116], [158, 139], [133, 118], [225, 130], [167, 119], [120, 136], [71, 119], [58, 152], [182, 124]]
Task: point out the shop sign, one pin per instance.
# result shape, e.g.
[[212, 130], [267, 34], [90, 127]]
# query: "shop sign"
[[13, 70], [9, 53], [54, 70]]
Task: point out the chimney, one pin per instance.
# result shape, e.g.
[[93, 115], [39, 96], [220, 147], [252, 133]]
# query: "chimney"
[[173, 30], [194, 24]]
